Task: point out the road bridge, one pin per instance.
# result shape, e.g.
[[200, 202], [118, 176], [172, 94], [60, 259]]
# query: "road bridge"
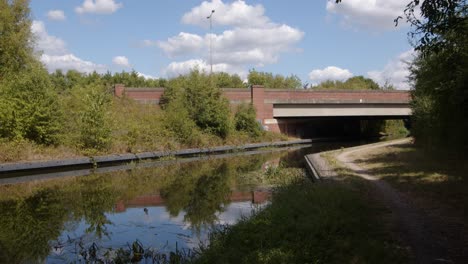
[[289, 111]]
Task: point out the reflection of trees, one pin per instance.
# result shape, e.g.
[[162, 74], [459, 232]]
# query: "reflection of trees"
[[201, 191], [210, 195], [27, 225], [97, 197]]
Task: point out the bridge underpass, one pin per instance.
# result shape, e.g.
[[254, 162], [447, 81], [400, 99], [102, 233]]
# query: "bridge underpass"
[[336, 119], [339, 126]]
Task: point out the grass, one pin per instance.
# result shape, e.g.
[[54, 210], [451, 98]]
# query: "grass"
[[135, 128], [308, 223]]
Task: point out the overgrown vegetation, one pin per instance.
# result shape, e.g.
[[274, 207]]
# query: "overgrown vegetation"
[[353, 83], [72, 113], [307, 223], [440, 74], [277, 81]]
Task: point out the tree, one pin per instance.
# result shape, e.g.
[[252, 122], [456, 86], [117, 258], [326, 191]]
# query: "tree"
[[277, 81], [203, 102], [29, 107], [245, 120], [440, 73], [353, 83], [16, 39]]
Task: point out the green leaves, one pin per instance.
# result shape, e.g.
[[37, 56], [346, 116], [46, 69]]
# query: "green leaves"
[[193, 97], [29, 107], [277, 82], [245, 120]]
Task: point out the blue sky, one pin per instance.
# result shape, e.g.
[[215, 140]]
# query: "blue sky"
[[316, 40]]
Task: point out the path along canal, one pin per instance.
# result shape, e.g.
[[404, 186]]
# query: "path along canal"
[[164, 205]]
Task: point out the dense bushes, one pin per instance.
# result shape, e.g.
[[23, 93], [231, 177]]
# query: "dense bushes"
[[245, 120], [440, 75], [29, 107], [197, 99], [277, 81]]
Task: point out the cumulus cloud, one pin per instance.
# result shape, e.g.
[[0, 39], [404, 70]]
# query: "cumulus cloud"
[[148, 43], [330, 73], [254, 39], [396, 71], [180, 68], [56, 15], [237, 13], [55, 54], [370, 14], [48, 44], [121, 61], [70, 62], [184, 43], [98, 7], [146, 76]]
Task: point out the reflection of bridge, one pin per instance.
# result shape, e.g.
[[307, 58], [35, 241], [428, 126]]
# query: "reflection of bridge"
[[287, 111], [256, 197]]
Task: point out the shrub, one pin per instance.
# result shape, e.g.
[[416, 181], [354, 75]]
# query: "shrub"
[[202, 101], [94, 120], [29, 107], [244, 120]]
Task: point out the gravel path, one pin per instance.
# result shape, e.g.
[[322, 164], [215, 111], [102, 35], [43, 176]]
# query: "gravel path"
[[416, 228]]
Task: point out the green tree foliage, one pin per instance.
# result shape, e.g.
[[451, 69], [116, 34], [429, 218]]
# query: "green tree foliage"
[[353, 83], [63, 82], [16, 50], [29, 107], [440, 73], [94, 123], [268, 80], [245, 120], [203, 102], [225, 80]]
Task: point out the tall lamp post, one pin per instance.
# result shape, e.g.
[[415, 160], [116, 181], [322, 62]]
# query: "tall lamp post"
[[211, 50]]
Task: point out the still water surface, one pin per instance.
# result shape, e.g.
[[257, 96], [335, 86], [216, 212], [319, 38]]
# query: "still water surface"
[[161, 207]]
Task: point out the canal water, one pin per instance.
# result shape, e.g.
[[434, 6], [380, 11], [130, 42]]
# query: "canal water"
[[156, 208]]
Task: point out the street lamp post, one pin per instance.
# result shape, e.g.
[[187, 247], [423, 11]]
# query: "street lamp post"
[[211, 49]]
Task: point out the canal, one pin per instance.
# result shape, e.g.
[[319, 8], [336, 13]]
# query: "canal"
[[156, 206]]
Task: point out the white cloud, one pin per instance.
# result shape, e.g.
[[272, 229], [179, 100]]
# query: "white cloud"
[[181, 68], [46, 43], [254, 40], [396, 71], [148, 43], [331, 73], [370, 14], [98, 7], [121, 61], [184, 43], [237, 13], [70, 62], [56, 15], [146, 76], [55, 54]]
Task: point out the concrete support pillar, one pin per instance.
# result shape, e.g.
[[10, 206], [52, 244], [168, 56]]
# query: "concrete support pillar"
[[119, 90]]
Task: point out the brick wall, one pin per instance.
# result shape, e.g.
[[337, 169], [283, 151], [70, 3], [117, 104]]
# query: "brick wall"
[[264, 99]]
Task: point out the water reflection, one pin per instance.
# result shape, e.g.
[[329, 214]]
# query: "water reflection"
[[63, 219]]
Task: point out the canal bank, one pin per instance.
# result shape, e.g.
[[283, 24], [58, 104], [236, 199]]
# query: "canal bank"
[[424, 195], [25, 168]]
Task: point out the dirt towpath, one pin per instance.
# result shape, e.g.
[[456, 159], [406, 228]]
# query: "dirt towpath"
[[417, 229]]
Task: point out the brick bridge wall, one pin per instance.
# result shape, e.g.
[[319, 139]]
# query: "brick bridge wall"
[[264, 99]]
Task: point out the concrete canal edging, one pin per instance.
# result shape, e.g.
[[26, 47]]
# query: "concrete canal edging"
[[107, 160], [318, 167]]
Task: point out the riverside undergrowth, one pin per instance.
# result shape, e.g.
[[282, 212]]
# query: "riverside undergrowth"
[[307, 223]]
